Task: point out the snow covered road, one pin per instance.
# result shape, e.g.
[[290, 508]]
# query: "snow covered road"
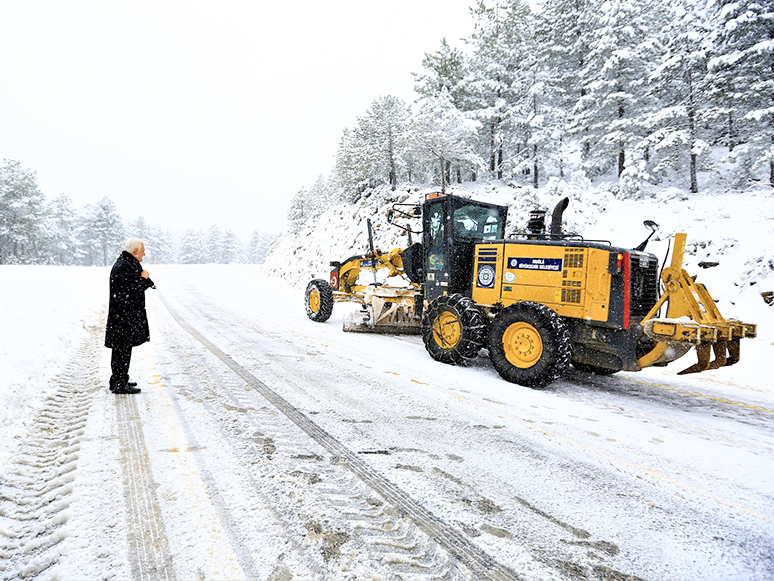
[[265, 446]]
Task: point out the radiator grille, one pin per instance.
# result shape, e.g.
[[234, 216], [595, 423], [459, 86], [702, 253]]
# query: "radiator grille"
[[644, 287], [571, 291]]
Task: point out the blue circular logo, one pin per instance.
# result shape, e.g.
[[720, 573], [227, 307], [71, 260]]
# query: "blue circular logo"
[[486, 276]]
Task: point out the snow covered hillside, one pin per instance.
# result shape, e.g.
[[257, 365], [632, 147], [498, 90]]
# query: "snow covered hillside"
[[734, 229]]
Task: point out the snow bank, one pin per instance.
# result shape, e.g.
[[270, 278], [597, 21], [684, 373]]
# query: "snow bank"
[[337, 234], [45, 312]]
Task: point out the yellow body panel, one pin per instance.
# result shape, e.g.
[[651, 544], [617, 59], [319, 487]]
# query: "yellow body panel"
[[484, 291], [598, 285], [573, 281]]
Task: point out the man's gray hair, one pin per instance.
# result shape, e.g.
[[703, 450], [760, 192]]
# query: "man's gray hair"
[[133, 244]]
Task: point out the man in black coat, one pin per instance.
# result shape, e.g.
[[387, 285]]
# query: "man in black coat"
[[127, 322]]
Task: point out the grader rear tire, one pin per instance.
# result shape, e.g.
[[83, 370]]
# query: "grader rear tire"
[[453, 329], [529, 344], [318, 300]]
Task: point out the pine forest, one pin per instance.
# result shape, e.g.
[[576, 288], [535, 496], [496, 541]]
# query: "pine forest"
[[638, 94]]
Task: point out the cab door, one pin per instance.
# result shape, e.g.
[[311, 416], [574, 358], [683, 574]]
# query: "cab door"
[[436, 248]]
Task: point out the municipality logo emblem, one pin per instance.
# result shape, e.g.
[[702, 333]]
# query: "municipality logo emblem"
[[486, 276]]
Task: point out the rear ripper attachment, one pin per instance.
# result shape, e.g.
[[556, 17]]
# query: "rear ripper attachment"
[[692, 320]]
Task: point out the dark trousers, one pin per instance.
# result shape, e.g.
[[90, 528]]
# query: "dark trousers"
[[119, 366]]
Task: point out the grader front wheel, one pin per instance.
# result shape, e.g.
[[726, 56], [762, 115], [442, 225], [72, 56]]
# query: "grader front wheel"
[[318, 300]]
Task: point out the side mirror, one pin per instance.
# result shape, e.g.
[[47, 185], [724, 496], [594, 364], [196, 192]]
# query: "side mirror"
[[653, 227]]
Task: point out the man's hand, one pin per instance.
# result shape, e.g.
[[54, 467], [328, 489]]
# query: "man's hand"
[[145, 274]]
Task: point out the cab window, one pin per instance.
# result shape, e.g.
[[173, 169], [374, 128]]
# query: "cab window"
[[473, 223], [436, 236]]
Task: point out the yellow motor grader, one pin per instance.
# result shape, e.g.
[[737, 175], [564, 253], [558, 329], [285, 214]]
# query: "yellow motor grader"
[[538, 302]]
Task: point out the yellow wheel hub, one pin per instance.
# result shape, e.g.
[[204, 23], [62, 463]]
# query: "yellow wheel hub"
[[447, 330], [522, 345], [314, 300]]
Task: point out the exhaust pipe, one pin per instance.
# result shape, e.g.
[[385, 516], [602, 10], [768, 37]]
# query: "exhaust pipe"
[[556, 218]]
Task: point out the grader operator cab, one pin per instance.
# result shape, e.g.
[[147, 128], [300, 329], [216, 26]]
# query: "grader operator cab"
[[538, 302]]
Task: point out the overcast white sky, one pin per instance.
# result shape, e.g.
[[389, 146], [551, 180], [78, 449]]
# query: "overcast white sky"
[[199, 113]]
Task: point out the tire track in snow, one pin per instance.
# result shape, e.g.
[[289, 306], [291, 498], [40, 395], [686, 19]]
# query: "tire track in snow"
[[148, 547], [547, 562], [35, 492], [226, 555], [321, 503], [239, 333], [481, 564]]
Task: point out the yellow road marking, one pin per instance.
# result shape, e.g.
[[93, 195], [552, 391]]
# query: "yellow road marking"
[[720, 399], [654, 474], [219, 557], [615, 458]]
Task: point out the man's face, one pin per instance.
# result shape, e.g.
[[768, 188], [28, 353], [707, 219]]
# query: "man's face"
[[139, 254]]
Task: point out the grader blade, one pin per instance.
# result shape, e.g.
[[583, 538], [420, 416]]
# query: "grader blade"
[[692, 319], [360, 322], [385, 310]]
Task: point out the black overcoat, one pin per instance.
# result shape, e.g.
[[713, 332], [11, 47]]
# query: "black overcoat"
[[127, 322]]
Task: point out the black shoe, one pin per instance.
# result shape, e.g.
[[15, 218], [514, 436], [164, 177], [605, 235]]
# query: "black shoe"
[[127, 389], [130, 384]]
